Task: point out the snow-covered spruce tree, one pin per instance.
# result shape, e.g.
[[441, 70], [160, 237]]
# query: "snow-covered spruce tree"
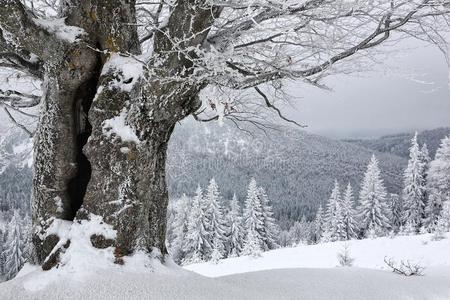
[[426, 160], [117, 76], [235, 228], [319, 224], [14, 259], [443, 222], [180, 227], [349, 214], [217, 250], [215, 222], [334, 219], [197, 246], [414, 186], [270, 229], [253, 219], [3, 247], [438, 182], [252, 243], [396, 210], [302, 232], [433, 209], [373, 210]]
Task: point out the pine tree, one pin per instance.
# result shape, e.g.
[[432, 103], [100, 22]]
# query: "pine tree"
[[373, 211], [236, 230], [197, 245], [214, 217], [270, 229], [349, 214], [3, 244], [319, 224], [433, 209], [414, 186], [180, 228], [396, 215], [252, 244], [253, 219], [444, 218], [217, 250], [334, 219], [14, 256], [438, 182], [426, 160]]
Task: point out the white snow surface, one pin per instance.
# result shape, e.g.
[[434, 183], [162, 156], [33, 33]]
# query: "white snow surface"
[[367, 253], [118, 126], [60, 29], [145, 278], [129, 68]]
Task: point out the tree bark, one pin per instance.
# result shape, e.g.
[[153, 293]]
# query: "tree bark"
[[106, 119]]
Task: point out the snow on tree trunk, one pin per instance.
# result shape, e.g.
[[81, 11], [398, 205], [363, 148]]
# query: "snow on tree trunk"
[[105, 124]]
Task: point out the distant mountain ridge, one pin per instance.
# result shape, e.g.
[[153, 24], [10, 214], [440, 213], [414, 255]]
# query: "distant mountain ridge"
[[297, 169], [399, 144]]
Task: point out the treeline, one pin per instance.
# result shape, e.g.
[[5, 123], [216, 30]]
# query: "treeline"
[[204, 228], [14, 238], [422, 207], [15, 188]]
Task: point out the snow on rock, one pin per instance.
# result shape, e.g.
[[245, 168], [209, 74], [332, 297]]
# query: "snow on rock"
[[129, 68], [118, 126], [60, 29], [368, 253]]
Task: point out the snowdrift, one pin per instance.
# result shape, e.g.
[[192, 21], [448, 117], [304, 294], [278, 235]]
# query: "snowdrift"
[[311, 275]]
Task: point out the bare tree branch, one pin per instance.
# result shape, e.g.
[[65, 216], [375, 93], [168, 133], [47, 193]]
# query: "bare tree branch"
[[270, 105], [13, 120]]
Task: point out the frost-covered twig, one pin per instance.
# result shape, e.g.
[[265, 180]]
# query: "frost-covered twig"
[[406, 268]]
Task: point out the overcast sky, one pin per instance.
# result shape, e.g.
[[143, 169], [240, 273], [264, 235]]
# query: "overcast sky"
[[394, 99]]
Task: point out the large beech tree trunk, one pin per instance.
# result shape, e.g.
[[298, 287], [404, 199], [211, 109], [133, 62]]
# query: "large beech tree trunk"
[[84, 164]]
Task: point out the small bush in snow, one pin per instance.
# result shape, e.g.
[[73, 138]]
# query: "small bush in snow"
[[439, 231], [405, 268], [344, 257]]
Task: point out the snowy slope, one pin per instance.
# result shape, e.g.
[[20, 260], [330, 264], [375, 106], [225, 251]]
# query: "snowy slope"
[[172, 283], [368, 253], [304, 272]]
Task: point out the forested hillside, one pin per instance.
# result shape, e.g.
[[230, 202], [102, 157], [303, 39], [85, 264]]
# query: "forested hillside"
[[399, 144], [296, 168]]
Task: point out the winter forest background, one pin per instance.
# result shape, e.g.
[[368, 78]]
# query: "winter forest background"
[[226, 198]]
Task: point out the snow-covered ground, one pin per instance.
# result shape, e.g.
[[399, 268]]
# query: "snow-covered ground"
[[304, 272], [367, 253]]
